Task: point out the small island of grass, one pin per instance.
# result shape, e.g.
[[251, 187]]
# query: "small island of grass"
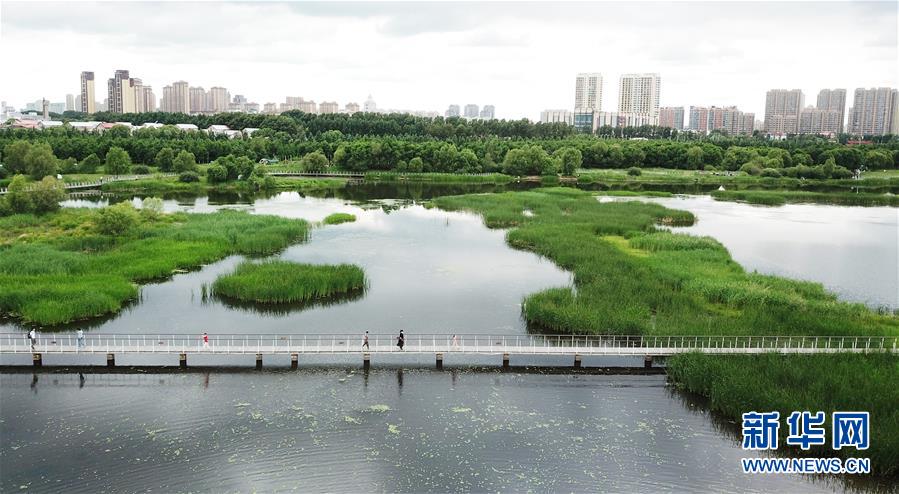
[[279, 281], [338, 218]]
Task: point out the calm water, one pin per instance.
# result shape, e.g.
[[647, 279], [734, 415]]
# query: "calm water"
[[390, 430], [852, 251]]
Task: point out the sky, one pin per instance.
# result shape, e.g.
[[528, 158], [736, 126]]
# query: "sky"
[[520, 57]]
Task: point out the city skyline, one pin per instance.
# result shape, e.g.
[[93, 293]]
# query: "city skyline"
[[348, 53]]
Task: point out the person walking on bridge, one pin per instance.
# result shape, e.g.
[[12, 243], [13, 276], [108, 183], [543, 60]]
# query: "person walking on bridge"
[[401, 340], [79, 337], [205, 340], [365, 341], [32, 337]]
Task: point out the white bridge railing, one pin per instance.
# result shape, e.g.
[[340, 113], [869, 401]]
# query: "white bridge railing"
[[98, 183], [436, 343]]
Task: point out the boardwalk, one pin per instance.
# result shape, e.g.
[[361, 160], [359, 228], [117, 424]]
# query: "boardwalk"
[[319, 175], [437, 344], [99, 183]]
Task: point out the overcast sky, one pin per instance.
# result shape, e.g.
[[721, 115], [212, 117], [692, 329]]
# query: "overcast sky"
[[522, 58]]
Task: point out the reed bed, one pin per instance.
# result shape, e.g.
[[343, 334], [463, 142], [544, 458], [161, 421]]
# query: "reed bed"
[[338, 218], [56, 268], [803, 382], [278, 282], [780, 197]]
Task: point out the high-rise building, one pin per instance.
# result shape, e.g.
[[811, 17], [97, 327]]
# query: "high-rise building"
[[672, 117], [78, 102], [198, 99], [120, 93], [176, 98], [874, 112], [471, 111], [639, 94], [351, 108], [217, 99], [488, 112], [452, 111], [70, 102], [587, 92], [819, 121], [557, 116], [782, 108], [270, 108], [328, 107], [834, 100], [308, 106], [88, 99], [699, 119], [57, 108], [144, 99], [370, 106]]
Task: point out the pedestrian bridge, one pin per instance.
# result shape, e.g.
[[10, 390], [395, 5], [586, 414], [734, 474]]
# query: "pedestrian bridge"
[[438, 344]]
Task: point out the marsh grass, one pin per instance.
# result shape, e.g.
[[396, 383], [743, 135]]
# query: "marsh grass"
[[56, 268], [486, 178], [280, 282], [338, 218], [803, 382], [779, 197]]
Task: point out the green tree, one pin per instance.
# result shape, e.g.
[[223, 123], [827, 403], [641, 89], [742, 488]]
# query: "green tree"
[[185, 161], [90, 163], [314, 162], [18, 197], [416, 165], [117, 219], [526, 160], [216, 173], [569, 158], [118, 162], [878, 159], [164, 159], [14, 156], [694, 158], [40, 161], [47, 194]]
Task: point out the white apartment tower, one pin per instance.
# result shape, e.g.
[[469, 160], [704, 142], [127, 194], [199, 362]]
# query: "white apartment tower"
[[874, 111], [639, 94], [588, 92]]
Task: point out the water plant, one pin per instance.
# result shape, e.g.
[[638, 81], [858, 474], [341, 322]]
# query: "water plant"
[[60, 267], [338, 218], [277, 281]]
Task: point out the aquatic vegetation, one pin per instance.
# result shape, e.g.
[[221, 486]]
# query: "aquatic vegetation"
[[338, 218], [482, 178], [634, 193], [278, 281], [58, 268], [379, 408], [657, 282], [803, 382], [779, 197]]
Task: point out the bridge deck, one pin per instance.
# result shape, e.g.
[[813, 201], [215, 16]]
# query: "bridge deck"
[[443, 343]]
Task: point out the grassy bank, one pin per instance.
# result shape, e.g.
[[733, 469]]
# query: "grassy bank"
[[59, 268], [667, 176], [631, 278], [485, 178], [165, 185], [338, 218], [285, 282], [778, 197], [803, 382]]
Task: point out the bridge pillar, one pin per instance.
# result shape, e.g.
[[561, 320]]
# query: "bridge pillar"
[[182, 360], [505, 361], [439, 361], [366, 360], [647, 362], [577, 361], [258, 361], [110, 360], [37, 360], [294, 361]]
